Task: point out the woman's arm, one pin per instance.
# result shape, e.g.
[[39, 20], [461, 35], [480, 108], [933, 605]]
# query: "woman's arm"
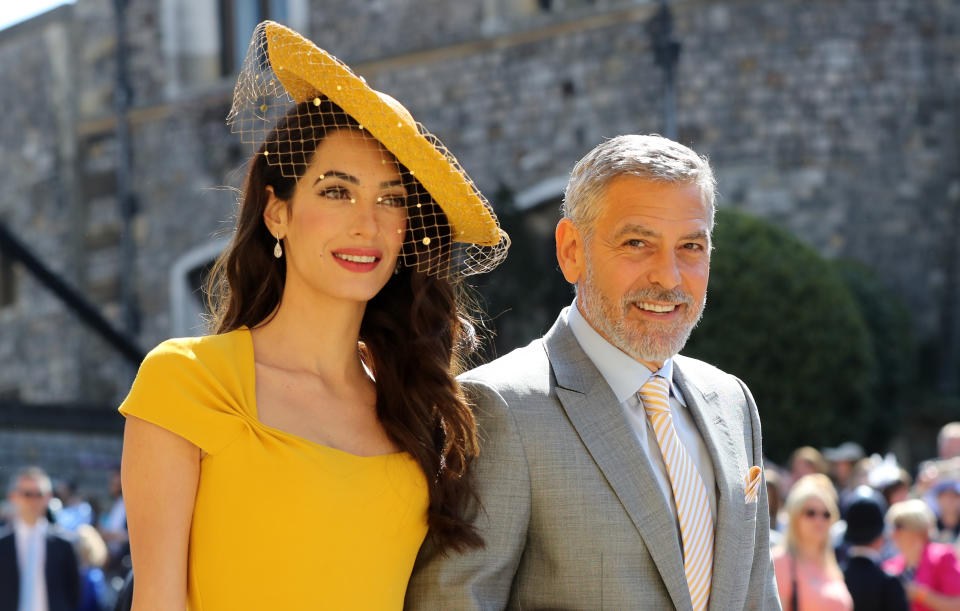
[[160, 472], [781, 572], [924, 595], [946, 571]]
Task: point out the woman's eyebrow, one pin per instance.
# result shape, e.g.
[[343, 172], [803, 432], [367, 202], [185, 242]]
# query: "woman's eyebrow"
[[354, 180], [337, 174]]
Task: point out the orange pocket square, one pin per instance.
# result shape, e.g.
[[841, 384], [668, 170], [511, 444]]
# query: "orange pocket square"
[[753, 484]]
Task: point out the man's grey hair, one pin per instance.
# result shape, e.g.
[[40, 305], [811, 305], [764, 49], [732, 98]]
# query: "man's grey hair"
[[36, 474], [651, 157], [950, 430]]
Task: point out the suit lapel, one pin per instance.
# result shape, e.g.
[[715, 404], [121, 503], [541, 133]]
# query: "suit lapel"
[[594, 412], [9, 569], [48, 564], [711, 423]]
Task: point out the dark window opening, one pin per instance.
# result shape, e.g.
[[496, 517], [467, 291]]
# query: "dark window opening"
[[197, 282], [238, 19], [8, 282]]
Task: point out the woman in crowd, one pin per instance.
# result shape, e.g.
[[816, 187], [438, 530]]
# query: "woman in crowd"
[[947, 495], [929, 571], [92, 556], [775, 501], [808, 577], [805, 460], [296, 458]]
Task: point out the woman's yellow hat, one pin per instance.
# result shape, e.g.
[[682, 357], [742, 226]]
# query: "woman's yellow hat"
[[282, 63]]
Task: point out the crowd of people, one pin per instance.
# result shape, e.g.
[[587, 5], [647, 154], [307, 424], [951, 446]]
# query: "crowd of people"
[[59, 549], [851, 531], [848, 531]]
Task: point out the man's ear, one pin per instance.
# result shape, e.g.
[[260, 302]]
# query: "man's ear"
[[275, 214], [570, 250]]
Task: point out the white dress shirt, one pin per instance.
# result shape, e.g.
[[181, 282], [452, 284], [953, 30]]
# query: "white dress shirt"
[[864, 551], [24, 535], [625, 376]]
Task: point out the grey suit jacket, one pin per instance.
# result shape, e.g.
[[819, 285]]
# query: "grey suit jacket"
[[570, 509]]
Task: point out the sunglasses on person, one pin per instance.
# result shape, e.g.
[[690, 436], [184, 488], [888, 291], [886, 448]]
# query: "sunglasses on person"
[[813, 513]]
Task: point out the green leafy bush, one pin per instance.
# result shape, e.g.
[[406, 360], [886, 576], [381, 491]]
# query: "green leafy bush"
[[782, 319], [893, 345]]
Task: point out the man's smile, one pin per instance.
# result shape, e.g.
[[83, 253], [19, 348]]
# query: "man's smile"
[[657, 308]]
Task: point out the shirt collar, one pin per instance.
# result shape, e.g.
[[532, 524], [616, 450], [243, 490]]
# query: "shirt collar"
[[624, 374], [23, 529], [863, 551]]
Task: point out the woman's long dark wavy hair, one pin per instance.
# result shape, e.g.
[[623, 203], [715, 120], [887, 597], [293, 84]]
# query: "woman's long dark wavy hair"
[[414, 334]]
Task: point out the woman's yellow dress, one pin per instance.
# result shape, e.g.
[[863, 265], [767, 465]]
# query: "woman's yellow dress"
[[279, 522]]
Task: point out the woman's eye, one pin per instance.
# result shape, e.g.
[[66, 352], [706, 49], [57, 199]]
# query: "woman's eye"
[[394, 201], [335, 193], [635, 243]]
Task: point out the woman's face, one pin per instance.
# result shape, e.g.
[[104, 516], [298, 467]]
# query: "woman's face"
[[949, 503], [897, 494], [813, 522], [343, 229], [907, 539], [801, 467]]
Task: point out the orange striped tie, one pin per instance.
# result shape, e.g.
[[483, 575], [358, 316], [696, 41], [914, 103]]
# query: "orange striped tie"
[[689, 493]]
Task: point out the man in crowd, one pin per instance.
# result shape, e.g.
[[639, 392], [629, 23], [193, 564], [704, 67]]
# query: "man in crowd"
[[38, 567], [948, 441], [869, 586], [614, 473], [842, 460]]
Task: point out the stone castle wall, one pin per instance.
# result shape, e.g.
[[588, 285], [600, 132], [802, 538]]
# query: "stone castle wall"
[[838, 120]]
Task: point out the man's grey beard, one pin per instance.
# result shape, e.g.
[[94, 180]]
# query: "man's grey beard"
[[644, 341]]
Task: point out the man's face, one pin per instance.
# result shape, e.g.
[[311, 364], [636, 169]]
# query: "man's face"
[[646, 266], [842, 470], [950, 447], [30, 499]]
